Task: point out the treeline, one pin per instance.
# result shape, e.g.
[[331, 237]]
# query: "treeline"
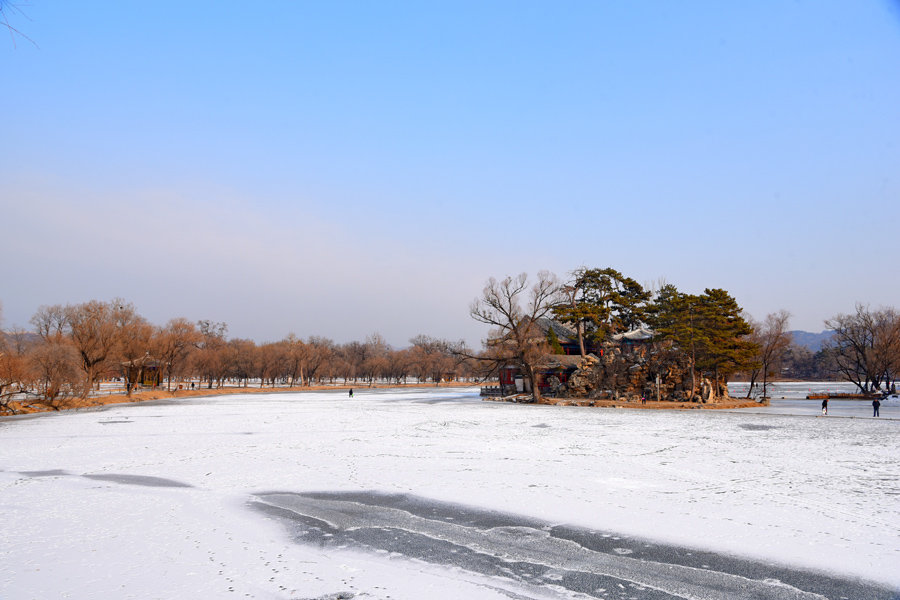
[[799, 362], [865, 347], [73, 347]]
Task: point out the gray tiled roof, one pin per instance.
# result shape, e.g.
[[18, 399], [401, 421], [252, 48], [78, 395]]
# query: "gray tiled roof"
[[634, 335], [564, 333]]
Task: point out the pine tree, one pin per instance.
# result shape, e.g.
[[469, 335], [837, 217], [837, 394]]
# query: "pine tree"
[[728, 348], [602, 302], [708, 328], [553, 340]]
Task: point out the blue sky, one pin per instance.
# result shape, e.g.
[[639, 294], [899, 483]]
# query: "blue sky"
[[343, 168]]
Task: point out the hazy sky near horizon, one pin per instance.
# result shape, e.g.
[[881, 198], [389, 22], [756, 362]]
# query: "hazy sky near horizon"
[[342, 168]]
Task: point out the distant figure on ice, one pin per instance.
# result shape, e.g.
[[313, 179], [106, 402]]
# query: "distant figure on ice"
[[876, 405], [825, 406], [351, 392]]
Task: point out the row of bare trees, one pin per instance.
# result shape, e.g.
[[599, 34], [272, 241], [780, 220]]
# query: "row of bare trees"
[[864, 349], [73, 347], [295, 362], [865, 346]]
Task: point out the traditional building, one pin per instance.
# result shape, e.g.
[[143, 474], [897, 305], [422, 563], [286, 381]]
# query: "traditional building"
[[145, 371], [567, 336], [634, 341], [552, 371]]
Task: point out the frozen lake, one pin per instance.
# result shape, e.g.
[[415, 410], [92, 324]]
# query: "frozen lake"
[[793, 390], [432, 493], [789, 399]]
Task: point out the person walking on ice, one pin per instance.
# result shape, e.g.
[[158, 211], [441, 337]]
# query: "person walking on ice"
[[876, 404], [825, 406], [351, 392]]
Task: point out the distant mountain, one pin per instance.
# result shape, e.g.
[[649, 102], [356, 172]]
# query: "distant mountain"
[[813, 341]]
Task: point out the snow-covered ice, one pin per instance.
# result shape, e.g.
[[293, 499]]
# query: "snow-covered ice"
[[406, 494]]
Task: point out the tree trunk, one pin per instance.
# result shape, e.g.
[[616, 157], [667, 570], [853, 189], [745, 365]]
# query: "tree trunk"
[[693, 381], [715, 389], [580, 329], [535, 388], [88, 382]]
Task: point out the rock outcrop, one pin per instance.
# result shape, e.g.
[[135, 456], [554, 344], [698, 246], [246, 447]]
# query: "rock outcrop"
[[629, 376]]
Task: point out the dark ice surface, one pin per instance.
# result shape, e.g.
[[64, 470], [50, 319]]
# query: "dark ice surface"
[[138, 480], [540, 557]]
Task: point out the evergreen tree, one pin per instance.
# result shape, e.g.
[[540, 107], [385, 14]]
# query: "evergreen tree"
[[602, 302], [727, 347], [578, 310], [708, 328], [622, 299], [553, 340], [671, 317]]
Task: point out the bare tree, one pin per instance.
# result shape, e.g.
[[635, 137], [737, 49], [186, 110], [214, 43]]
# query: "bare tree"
[[8, 9], [866, 346], [56, 372], [135, 339], [434, 357], [375, 363], [885, 358], [210, 358], [398, 365], [321, 352], [513, 308], [423, 356], [270, 363], [50, 322], [93, 330], [174, 344], [240, 359], [354, 354], [297, 355], [14, 373], [773, 339]]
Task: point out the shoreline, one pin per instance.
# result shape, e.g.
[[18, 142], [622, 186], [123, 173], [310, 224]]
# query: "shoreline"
[[161, 394], [96, 402], [650, 405]]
